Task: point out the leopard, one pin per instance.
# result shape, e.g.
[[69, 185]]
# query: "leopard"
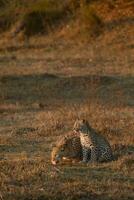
[[95, 147], [67, 147]]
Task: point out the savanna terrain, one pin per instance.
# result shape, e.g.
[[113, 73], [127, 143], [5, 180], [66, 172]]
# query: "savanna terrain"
[[47, 80]]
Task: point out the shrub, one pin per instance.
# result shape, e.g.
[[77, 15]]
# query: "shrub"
[[1, 3], [91, 22], [8, 13], [6, 20], [42, 16], [33, 23]]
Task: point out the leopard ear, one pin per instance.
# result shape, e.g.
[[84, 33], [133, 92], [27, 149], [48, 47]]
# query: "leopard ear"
[[84, 121], [65, 138]]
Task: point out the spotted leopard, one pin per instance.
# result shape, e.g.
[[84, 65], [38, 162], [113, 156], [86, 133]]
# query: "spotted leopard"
[[67, 146], [95, 147]]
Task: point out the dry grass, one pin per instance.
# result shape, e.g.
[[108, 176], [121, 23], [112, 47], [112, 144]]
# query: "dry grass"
[[43, 89], [46, 16]]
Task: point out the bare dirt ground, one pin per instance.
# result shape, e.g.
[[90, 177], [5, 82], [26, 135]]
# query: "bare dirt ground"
[[43, 88]]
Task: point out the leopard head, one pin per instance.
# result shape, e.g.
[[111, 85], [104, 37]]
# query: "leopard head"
[[65, 149], [81, 125], [57, 154]]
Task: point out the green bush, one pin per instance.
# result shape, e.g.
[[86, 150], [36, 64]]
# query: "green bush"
[[42, 16], [33, 23], [8, 13], [1, 3], [6, 20]]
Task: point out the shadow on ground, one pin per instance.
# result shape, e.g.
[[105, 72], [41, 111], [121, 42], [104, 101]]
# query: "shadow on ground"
[[49, 88]]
